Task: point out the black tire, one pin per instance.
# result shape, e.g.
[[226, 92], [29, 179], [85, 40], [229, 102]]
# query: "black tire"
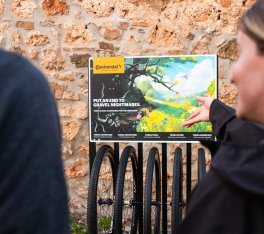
[[201, 164], [152, 206], [101, 192], [125, 208], [176, 199]]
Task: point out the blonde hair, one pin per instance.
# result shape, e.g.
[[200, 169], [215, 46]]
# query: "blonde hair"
[[252, 23]]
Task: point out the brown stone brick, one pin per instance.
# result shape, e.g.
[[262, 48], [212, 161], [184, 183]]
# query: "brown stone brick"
[[228, 50], [25, 24], [70, 129], [141, 24], [57, 89], [225, 3], [76, 34], [123, 25], [37, 39], [80, 60], [52, 7], [106, 46], [23, 9], [111, 34]]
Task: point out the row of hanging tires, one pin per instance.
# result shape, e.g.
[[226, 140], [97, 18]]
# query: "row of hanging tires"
[[113, 198]]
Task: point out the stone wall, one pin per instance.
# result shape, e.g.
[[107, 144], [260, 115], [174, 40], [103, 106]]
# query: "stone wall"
[[59, 36]]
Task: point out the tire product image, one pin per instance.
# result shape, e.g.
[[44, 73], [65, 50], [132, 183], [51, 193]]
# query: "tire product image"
[[152, 194], [177, 200], [101, 192], [125, 208]]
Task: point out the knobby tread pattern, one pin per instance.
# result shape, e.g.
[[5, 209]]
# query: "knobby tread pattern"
[[201, 164], [153, 161], [104, 151], [128, 152], [176, 202]]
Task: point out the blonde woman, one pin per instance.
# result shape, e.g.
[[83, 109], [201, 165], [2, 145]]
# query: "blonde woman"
[[230, 199]]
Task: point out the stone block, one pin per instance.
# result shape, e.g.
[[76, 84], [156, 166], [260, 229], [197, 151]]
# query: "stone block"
[[111, 34], [37, 39], [76, 34], [57, 89], [80, 60], [70, 129], [27, 25], [23, 8], [106, 46], [52, 7]]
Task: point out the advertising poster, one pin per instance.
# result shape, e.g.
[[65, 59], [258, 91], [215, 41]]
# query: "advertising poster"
[[148, 98]]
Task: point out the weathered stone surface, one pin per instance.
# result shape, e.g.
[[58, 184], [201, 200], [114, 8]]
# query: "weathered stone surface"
[[77, 169], [98, 8], [2, 6], [106, 46], [4, 27], [161, 36], [132, 49], [82, 192], [23, 8], [80, 60], [133, 38], [2, 40], [37, 39], [141, 24], [228, 50], [227, 93], [200, 11], [67, 76], [71, 96], [25, 24], [52, 7], [75, 203], [107, 24], [32, 54], [201, 46], [15, 37], [70, 129], [57, 89], [77, 34], [19, 50], [111, 34], [83, 149], [225, 3], [123, 25], [78, 110], [51, 59]]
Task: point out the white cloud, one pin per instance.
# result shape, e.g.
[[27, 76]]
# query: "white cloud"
[[199, 78]]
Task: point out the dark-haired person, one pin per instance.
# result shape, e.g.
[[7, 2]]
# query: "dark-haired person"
[[230, 199], [33, 197]]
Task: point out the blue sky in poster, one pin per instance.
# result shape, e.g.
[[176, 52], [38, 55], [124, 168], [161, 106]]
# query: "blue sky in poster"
[[190, 78]]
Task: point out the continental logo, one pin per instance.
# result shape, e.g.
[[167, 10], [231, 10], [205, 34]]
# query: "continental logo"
[[108, 65]]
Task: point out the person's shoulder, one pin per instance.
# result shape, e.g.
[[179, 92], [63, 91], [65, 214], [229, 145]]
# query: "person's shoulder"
[[18, 71]]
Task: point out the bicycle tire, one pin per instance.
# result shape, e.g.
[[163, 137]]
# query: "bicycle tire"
[[124, 200], [153, 169], [176, 199], [201, 164], [96, 222]]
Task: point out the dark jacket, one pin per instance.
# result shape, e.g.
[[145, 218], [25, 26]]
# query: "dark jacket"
[[33, 196], [230, 199]]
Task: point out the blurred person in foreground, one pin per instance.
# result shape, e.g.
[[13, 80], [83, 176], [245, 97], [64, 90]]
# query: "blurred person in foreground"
[[33, 197], [230, 199]]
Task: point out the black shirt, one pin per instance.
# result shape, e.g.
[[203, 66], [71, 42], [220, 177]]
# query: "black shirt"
[[33, 196]]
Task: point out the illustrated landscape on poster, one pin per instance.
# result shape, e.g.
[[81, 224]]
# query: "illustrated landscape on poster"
[[148, 98]]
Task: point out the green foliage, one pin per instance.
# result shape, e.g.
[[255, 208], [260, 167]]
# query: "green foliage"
[[211, 88], [104, 223], [77, 228]]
